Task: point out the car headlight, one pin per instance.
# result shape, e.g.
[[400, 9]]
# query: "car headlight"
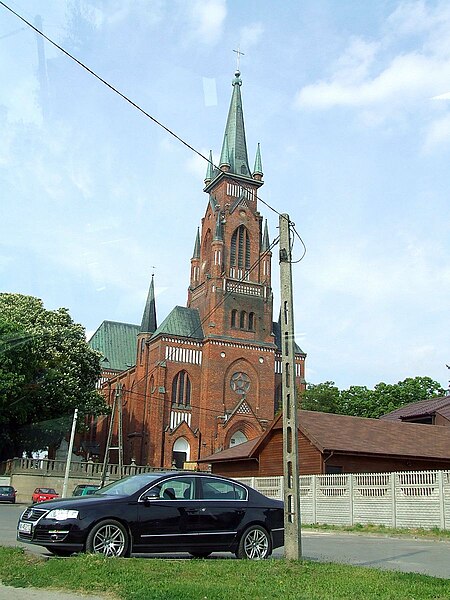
[[61, 514]]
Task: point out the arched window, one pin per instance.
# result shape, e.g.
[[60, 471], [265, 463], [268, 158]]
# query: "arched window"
[[243, 319], [251, 321], [240, 248], [233, 318], [238, 438], [181, 389]]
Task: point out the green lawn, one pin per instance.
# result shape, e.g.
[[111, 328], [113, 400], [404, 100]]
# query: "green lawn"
[[214, 579]]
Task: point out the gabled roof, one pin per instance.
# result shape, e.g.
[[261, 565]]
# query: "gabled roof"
[[117, 344], [182, 322], [353, 435], [420, 409]]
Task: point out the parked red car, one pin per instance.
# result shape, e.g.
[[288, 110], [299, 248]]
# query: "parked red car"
[[42, 494]]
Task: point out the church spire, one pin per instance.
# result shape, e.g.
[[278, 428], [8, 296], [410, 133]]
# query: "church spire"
[[148, 324], [265, 241], [196, 253], [257, 169], [234, 137], [210, 169]]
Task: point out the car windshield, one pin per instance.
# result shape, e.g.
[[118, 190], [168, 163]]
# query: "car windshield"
[[5, 489], [127, 486]]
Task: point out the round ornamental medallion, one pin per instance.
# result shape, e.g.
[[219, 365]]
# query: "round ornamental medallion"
[[240, 382]]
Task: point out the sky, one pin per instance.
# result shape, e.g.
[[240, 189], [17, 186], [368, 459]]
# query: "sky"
[[350, 101]]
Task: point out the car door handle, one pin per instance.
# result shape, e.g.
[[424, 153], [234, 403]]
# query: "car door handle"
[[194, 511]]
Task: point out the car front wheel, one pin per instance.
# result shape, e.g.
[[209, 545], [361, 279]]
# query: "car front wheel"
[[254, 544], [108, 537]]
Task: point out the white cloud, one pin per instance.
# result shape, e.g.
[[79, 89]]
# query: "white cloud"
[[250, 35], [373, 76], [197, 165], [438, 133], [208, 17]]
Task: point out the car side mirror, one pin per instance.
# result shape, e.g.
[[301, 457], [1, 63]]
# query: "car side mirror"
[[151, 495]]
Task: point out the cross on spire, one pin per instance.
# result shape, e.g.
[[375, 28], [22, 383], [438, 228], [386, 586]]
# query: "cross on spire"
[[238, 57]]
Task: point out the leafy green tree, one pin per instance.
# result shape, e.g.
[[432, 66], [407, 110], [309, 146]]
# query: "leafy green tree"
[[323, 397], [46, 371], [359, 401]]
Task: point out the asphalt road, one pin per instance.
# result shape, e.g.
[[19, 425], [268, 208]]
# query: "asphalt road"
[[401, 554]]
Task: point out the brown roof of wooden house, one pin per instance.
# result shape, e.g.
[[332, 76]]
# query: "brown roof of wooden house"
[[420, 409], [354, 435]]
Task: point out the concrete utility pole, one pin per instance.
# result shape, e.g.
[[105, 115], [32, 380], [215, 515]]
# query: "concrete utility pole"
[[292, 522], [69, 454]]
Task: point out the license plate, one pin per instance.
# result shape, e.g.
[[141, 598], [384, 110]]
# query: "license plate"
[[25, 527]]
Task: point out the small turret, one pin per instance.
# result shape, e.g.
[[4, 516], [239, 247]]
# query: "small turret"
[[148, 324], [210, 169], [257, 169], [224, 163]]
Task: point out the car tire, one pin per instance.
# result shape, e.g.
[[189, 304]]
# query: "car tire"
[[200, 554], [255, 544], [108, 537]]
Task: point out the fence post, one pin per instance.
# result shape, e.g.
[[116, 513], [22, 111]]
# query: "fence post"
[[314, 498], [393, 499], [441, 499], [350, 492]]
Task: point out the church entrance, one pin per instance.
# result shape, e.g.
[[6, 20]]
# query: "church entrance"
[[180, 453]]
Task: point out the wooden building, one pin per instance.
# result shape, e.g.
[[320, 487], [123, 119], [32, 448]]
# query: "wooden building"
[[330, 443], [433, 411]]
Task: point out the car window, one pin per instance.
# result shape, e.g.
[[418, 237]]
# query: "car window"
[[217, 489], [45, 491], [5, 489], [178, 488], [126, 486]]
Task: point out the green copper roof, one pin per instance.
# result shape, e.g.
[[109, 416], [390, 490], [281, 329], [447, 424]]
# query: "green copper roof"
[[257, 169], [265, 241], [196, 253], [182, 322], [148, 324], [210, 168], [117, 343], [234, 144]]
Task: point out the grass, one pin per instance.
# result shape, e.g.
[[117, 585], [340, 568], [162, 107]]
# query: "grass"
[[163, 579], [435, 533]]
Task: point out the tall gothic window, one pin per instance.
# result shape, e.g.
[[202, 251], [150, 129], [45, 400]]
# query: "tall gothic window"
[[240, 248], [181, 389], [251, 321], [233, 318]]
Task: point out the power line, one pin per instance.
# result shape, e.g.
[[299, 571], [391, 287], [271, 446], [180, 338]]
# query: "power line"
[[127, 99]]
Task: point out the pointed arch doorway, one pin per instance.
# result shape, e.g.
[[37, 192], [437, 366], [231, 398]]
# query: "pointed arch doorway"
[[181, 453]]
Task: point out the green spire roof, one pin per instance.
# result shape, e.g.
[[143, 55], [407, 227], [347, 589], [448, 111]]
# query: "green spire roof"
[[234, 137], [196, 253], [210, 169], [265, 241], [257, 169], [148, 324]]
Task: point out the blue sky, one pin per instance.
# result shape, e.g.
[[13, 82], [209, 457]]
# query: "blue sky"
[[349, 100]]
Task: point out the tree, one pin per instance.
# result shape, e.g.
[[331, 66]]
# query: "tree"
[[323, 397], [359, 401], [46, 371]]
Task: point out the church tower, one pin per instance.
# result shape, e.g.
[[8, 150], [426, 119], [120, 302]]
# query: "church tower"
[[231, 265], [208, 377]]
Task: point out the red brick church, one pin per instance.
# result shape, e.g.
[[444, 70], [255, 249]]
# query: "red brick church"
[[208, 377]]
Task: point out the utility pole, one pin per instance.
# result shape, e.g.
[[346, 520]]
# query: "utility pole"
[[292, 521], [69, 454], [117, 406]]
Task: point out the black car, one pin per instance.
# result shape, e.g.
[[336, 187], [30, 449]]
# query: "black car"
[[190, 512], [7, 494]]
